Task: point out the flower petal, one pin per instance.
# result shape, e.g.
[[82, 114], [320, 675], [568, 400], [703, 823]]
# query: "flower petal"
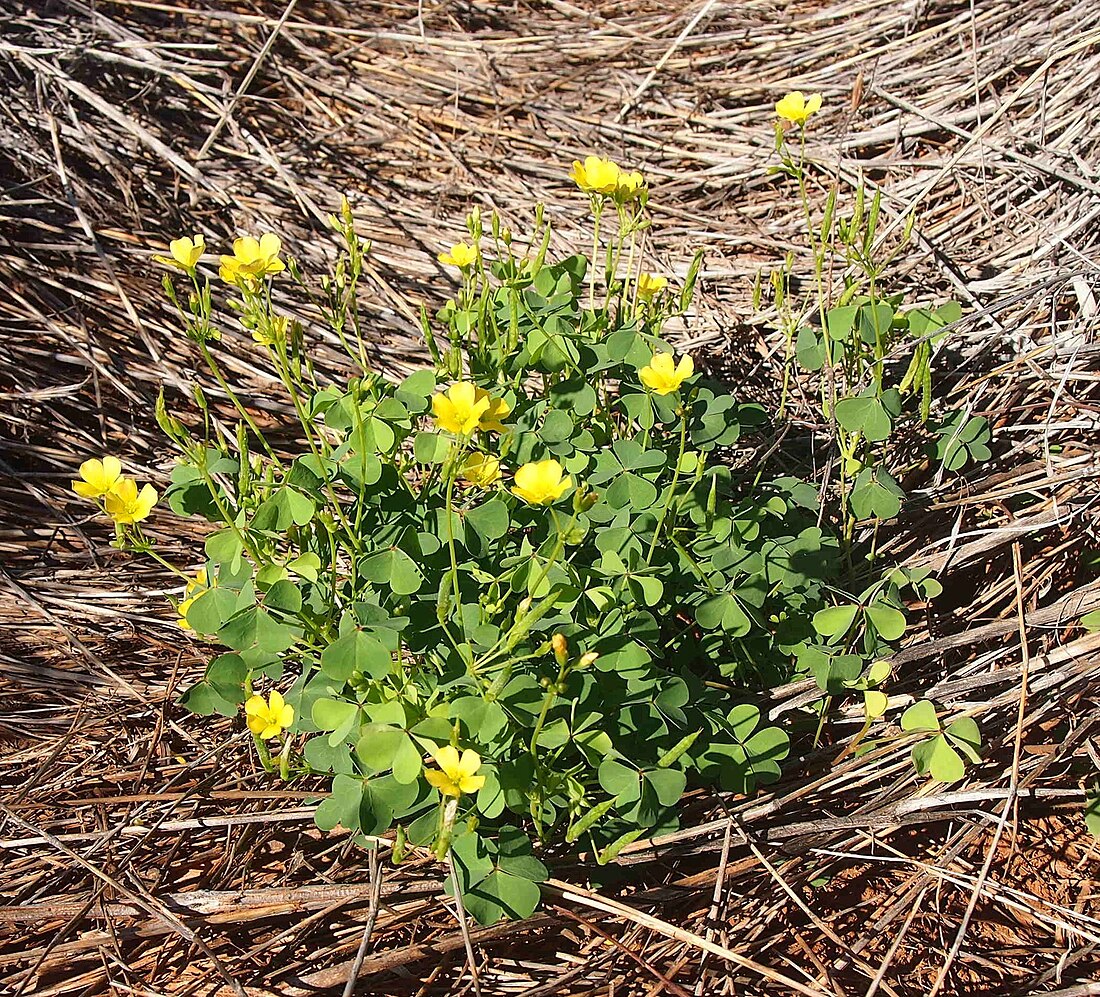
[[469, 763], [447, 759], [471, 783], [270, 244]]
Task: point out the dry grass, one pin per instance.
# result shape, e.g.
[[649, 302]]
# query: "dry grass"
[[139, 859]]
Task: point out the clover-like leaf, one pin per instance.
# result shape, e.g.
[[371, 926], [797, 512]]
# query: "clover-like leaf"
[[966, 738], [395, 568], [834, 622], [936, 757], [383, 748], [867, 414], [874, 704], [920, 716], [963, 440], [887, 621], [876, 494], [356, 651], [619, 780]]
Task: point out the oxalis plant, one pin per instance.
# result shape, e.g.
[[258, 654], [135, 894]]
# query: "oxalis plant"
[[518, 601]]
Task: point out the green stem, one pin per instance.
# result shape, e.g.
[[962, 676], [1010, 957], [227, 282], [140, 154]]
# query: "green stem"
[[559, 547], [303, 419], [231, 394], [597, 211], [142, 545], [451, 474], [230, 521], [630, 285], [547, 702], [672, 488]]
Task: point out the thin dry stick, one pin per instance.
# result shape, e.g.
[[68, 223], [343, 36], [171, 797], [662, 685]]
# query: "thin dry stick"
[[462, 924], [372, 916], [585, 897], [1011, 802], [644, 85], [715, 902], [889, 957], [227, 111]]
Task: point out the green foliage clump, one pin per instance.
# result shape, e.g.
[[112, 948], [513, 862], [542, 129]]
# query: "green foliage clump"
[[521, 598]]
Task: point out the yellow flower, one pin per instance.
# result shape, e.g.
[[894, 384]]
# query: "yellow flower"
[[466, 407], [541, 482], [195, 587], [457, 773], [252, 259], [100, 476], [649, 285], [481, 470], [662, 376], [629, 186], [268, 718], [186, 253], [796, 107], [596, 175], [461, 255], [125, 504]]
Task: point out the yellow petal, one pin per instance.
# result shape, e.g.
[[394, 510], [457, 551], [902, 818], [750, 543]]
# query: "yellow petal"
[[471, 783], [442, 782], [462, 395], [246, 249], [270, 244], [469, 763], [183, 251], [447, 759], [444, 412], [663, 364], [144, 502], [255, 706]]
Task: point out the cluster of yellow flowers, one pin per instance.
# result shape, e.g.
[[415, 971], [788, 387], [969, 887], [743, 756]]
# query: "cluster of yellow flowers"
[[252, 259], [103, 481], [604, 178], [267, 718], [464, 408]]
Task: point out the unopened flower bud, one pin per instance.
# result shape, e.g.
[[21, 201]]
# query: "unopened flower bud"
[[587, 659], [561, 648], [583, 500]]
